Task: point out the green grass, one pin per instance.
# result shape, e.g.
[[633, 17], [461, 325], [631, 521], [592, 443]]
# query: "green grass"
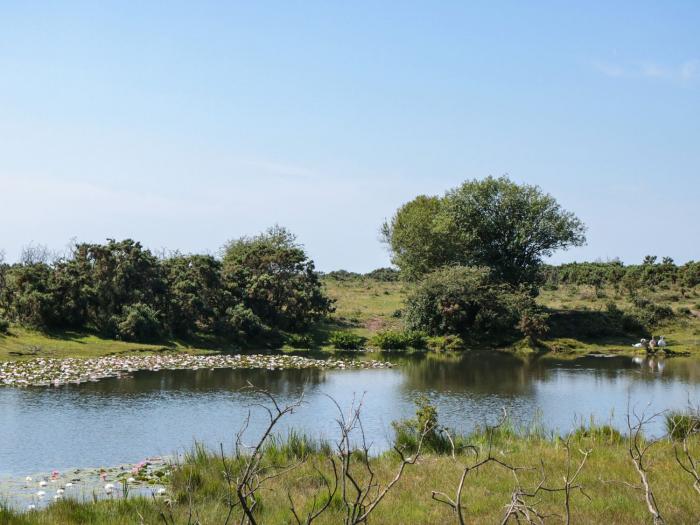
[[608, 478], [23, 343]]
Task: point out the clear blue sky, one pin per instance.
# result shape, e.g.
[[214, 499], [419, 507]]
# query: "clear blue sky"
[[184, 124]]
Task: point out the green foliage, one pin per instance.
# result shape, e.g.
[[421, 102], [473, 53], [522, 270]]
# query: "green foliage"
[[425, 427], [387, 275], [276, 279], [445, 343], [493, 222], [650, 314], [120, 289], [241, 322], [597, 433], [631, 279], [399, 340], [460, 300], [680, 425], [4, 325], [346, 340], [533, 324], [417, 243], [197, 295], [300, 340], [343, 275], [137, 322]]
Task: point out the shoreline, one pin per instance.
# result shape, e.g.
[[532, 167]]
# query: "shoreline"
[[56, 372]]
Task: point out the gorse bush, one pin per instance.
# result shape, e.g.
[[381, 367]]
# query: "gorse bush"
[[119, 289], [138, 322], [346, 340]]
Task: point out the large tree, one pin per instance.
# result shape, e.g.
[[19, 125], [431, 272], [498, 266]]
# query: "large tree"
[[493, 222]]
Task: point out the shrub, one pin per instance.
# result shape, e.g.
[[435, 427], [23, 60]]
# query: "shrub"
[[600, 433], [242, 322], [445, 343], [276, 279], [649, 314], [395, 340], [408, 432], [384, 274], [346, 340], [533, 324], [4, 325], [460, 300], [138, 322], [680, 425], [300, 340]]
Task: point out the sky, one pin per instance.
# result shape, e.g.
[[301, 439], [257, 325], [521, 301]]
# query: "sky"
[[185, 124]]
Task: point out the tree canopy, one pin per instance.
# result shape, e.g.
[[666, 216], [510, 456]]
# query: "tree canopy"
[[493, 223]]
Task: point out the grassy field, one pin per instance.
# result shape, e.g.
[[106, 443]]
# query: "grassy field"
[[608, 479], [366, 306]]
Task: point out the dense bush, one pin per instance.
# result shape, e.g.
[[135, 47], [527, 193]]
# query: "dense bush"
[[276, 279], [460, 300], [346, 340], [650, 314], [300, 340], [265, 283], [138, 322], [4, 325], [241, 322]]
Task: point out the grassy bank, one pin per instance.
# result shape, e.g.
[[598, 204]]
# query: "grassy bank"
[[366, 307], [608, 479]]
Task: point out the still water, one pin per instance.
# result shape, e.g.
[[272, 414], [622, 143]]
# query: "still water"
[[162, 413]]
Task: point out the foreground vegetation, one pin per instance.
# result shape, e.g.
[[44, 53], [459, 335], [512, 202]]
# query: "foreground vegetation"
[[497, 474]]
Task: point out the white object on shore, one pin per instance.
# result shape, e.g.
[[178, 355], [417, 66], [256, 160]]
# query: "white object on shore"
[[40, 494], [28, 478], [57, 497], [42, 483], [60, 492], [161, 491], [661, 341], [109, 488], [131, 480], [69, 485]]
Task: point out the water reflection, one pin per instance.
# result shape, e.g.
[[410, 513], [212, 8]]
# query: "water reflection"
[[123, 420]]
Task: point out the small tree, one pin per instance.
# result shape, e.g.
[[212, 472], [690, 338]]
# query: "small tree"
[[276, 279]]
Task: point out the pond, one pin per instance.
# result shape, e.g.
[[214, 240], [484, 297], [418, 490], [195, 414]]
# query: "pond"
[[117, 421]]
